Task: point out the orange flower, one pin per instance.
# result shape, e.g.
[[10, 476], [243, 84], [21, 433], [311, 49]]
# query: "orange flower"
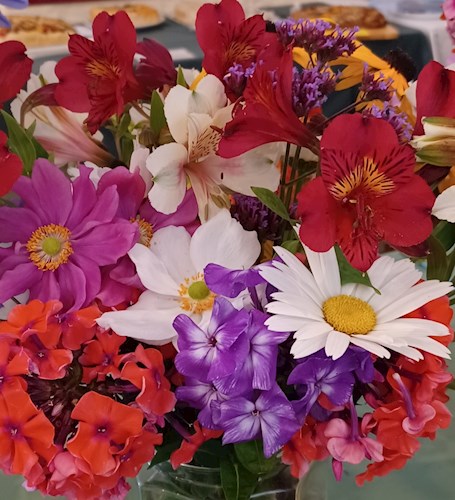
[[104, 428], [79, 327], [12, 364], [138, 450]]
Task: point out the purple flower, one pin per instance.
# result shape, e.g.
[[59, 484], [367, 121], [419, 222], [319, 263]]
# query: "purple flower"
[[259, 368], [311, 88], [319, 373], [15, 4], [60, 237], [373, 88], [231, 282], [399, 120], [215, 353], [268, 416], [237, 77]]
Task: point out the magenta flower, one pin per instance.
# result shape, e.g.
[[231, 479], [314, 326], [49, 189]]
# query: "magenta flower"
[[60, 237]]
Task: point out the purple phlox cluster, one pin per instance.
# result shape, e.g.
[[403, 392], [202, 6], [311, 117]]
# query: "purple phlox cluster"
[[373, 87], [311, 88], [399, 120], [319, 374], [61, 237], [237, 77], [317, 37], [253, 215], [268, 415]]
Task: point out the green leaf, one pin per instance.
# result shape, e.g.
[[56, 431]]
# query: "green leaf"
[[445, 233], [350, 274], [20, 143], [293, 246], [251, 456], [272, 201], [157, 118], [437, 261], [181, 78], [237, 482], [39, 150], [172, 441]]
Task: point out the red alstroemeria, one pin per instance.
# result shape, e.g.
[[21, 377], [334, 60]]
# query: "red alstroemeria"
[[367, 192], [435, 94], [98, 76], [156, 395], [26, 435], [189, 447], [267, 114], [104, 427], [10, 165], [16, 69]]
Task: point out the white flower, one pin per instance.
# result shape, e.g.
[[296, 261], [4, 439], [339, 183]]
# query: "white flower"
[[323, 313], [172, 270], [444, 206], [195, 118]]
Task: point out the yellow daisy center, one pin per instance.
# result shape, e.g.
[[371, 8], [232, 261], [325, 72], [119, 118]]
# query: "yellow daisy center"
[[195, 295], [145, 230], [349, 315], [50, 247]]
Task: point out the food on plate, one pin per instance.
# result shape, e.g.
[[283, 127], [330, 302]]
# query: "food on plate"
[[140, 14]]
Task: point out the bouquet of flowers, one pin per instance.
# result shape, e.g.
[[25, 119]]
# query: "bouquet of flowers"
[[210, 262]]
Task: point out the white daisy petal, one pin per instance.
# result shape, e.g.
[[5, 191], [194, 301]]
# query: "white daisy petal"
[[312, 308], [311, 329], [336, 344], [324, 267], [412, 327], [360, 340], [302, 348], [409, 352], [284, 323], [432, 346]]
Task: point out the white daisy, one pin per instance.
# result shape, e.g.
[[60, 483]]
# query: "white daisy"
[[323, 313], [172, 270]]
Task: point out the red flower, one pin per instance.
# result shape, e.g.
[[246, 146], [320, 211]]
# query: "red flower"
[[98, 75], [26, 434], [78, 327], [104, 428], [16, 69], [10, 165], [189, 447], [138, 450], [367, 192], [435, 94], [12, 365], [267, 114]]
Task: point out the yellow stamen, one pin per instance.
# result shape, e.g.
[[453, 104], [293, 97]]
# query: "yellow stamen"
[[145, 230], [349, 315], [50, 247], [195, 295]]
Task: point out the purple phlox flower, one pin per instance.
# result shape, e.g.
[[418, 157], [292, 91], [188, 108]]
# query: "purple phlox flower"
[[269, 415], [399, 120], [373, 87], [317, 37], [215, 353], [237, 77], [231, 282], [311, 88], [60, 237], [253, 215], [318, 374], [259, 368], [200, 395]]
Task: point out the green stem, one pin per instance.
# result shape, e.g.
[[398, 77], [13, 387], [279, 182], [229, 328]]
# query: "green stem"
[[284, 169], [294, 168]]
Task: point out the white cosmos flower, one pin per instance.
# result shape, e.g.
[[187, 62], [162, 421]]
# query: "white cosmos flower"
[[323, 313], [444, 207], [195, 118], [172, 270]]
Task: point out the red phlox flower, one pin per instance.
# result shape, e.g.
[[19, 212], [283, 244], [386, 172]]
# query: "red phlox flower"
[[156, 396], [79, 327], [104, 428], [101, 356], [98, 76], [367, 192], [189, 447], [26, 435], [393, 460], [13, 363], [13, 57], [10, 165], [266, 115], [137, 451]]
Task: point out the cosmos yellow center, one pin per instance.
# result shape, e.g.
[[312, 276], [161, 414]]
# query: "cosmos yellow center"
[[50, 247], [349, 315], [145, 230], [195, 295]]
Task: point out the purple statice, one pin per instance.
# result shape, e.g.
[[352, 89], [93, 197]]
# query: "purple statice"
[[237, 77], [317, 37], [372, 88], [311, 88], [215, 352], [253, 215], [319, 374], [399, 120], [60, 237], [268, 416]]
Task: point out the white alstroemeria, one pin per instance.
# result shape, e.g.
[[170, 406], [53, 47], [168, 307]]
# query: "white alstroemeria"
[[60, 131], [437, 145], [195, 118], [444, 206], [138, 162], [323, 313], [95, 175], [172, 270]]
